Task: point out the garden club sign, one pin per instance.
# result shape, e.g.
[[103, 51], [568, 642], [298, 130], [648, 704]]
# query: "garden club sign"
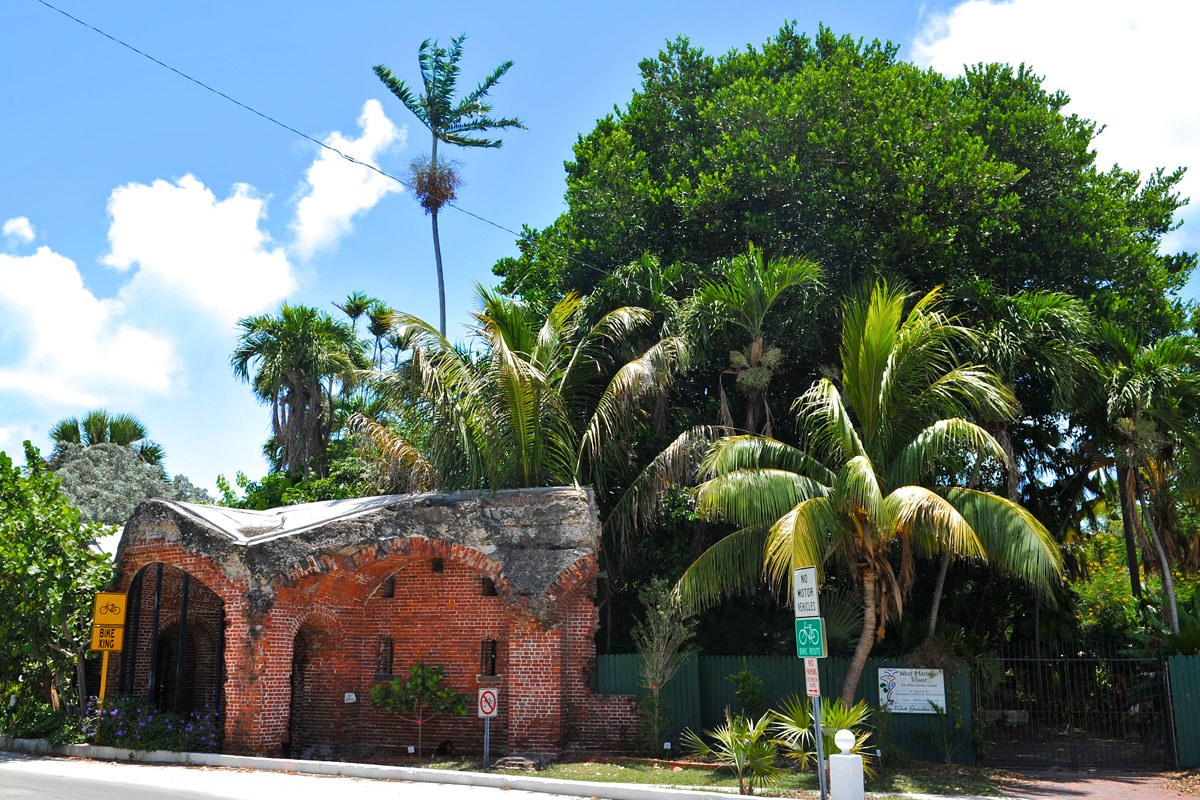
[[911, 691]]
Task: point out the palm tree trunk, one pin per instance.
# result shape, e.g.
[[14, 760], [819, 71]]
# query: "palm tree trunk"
[[1164, 564], [437, 255], [865, 640], [437, 247], [1125, 479], [937, 591]]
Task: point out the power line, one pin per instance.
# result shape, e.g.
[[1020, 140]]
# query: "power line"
[[290, 129]]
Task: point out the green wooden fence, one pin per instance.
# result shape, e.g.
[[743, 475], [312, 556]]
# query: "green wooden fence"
[[698, 695], [1185, 701]]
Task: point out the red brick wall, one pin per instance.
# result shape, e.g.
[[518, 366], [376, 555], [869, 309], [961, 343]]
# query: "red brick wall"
[[292, 654]]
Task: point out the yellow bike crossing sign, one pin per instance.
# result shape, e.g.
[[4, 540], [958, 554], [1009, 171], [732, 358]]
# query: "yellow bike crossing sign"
[[108, 629]]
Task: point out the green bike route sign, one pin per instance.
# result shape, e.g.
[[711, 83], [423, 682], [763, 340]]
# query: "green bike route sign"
[[810, 637]]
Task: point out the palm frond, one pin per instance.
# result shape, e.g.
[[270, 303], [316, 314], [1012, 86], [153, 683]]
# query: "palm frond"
[[732, 566]]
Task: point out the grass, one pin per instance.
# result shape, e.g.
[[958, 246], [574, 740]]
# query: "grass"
[[919, 778]]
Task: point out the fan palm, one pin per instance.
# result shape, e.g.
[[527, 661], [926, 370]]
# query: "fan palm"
[[100, 427], [292, 360], [448, 121], [1152, 391], [534, 401], [749, 286], [873, 476]]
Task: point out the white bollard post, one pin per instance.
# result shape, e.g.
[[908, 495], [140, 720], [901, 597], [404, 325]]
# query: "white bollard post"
[[845, 770]]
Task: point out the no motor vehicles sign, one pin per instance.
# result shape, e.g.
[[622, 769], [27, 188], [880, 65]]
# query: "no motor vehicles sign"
[[489, 702]]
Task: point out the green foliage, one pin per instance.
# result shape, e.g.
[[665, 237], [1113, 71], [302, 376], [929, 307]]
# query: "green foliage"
[[292, 361], [48, 575], [107, 481], [793, 727], [281, 489], [874, 478], [834, 148], [748, 689], [742, 745], [34, 718], [128, 722], [100, 427], [423, 696]]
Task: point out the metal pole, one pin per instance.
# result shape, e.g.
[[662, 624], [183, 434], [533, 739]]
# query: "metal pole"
[[154, 634], [487, 742], [129, 657], [187, 578], [816, 713], [103, 679]]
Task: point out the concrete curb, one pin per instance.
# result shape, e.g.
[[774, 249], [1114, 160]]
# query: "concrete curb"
[[527, 783]]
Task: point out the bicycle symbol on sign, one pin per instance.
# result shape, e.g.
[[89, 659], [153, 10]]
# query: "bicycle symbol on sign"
[[809, 636], [109, 608]]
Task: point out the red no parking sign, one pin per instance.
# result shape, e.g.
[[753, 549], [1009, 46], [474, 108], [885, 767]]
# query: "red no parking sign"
[[489, 700]]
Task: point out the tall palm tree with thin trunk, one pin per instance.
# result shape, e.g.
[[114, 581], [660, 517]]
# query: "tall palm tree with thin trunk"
[[749, 286], [874, 476], [451, 122], [292, 361]]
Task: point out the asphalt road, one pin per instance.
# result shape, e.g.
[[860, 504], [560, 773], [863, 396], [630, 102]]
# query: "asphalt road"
[[81, 779]]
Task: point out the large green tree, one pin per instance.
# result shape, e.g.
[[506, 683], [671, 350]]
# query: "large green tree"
[[836, 149], [296, 361], [451, 121], [48, 574], [875, 478]]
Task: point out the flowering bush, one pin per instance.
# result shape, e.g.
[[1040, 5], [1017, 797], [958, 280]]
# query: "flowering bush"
[[138, 725]]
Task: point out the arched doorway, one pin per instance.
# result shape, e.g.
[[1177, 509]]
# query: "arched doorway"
[[311, 728], [174, 641]]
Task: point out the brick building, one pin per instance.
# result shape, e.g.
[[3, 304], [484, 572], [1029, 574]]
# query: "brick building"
[[283, 620]]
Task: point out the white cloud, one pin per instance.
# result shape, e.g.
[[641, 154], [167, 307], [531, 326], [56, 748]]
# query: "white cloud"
[[1125, 65], [18, 229], [337, 190], [202, 251], [12, 436], [65, 345]]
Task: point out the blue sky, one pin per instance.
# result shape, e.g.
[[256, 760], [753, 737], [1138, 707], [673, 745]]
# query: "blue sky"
[[140, 216]]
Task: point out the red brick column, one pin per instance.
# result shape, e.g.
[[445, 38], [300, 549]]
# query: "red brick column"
[[534, 688], [258, 663]]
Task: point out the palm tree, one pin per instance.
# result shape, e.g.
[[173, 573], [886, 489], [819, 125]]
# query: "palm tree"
[[749, 286], [100, 427], [295, 359], [874, 474], [356, 304], [1039, 345], [533, 401], [1153, 393], [450, 122], [379, 325]]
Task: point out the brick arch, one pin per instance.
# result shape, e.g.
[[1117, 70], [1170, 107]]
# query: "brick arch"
[[572, 578], [147, 553], [294, 623], [377, 562]]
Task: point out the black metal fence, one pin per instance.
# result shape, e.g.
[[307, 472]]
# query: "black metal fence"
[[1073, 706]]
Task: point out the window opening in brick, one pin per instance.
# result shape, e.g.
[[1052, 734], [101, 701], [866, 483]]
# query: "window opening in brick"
[[439, 565], [388, 587], [487, 657], [383, 661], [489, 588]]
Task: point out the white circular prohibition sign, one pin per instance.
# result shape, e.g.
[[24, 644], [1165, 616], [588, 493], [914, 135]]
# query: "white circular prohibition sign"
[[488, 701]]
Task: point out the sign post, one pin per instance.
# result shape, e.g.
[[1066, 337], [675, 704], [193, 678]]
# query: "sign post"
[[108, 630], [489, 703], [810, 645]]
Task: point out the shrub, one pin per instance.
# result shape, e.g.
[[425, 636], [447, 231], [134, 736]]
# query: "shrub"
[[794, 727], [743, 746], [748, 689], [138, 725]]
